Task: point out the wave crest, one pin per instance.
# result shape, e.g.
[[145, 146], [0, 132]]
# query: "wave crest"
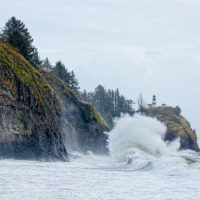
[[139, 141]]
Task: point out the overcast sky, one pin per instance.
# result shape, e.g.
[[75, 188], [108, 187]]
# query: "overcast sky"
[[151, 46]]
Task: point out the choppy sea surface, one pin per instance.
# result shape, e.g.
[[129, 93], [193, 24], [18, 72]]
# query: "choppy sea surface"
[[141, 166], [94, 178]]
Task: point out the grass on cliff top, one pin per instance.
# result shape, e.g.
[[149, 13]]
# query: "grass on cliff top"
[[17, 73], [174, 122]]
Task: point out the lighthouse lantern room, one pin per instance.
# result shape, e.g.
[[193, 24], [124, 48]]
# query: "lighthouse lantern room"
[[154, 101]]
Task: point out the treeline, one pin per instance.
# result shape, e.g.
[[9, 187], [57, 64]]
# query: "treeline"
[[63, 73], [109, 103]]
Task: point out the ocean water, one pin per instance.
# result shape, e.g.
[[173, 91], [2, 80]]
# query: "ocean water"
[[141, 166], [94, 178]]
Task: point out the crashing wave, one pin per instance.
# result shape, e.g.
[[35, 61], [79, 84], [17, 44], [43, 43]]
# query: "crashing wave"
[[139, 141]]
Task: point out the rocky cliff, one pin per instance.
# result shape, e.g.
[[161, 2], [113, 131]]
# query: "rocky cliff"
[[36, 117], [30, 110], [177, 126], [82, 124]]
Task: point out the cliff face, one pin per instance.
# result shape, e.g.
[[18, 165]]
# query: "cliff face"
[[40, 115], [29, 110], [81, 122], [177, 126]]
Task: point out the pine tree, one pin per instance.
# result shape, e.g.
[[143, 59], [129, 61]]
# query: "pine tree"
[[117, 106], [73, 83], [84, 96], [99, 98], [178, 110], [62, 72], [46, 65], [109, 103], [18, 36]]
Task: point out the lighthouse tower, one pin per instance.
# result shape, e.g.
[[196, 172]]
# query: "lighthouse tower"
[[154, 101]]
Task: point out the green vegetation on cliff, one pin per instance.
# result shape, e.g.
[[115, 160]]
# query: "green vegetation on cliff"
[[30, 111], [33, 89], [16, 34], [82, 118], [109, 103], [177, 126]]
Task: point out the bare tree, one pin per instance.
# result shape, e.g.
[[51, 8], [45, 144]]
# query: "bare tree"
[[141, 103]]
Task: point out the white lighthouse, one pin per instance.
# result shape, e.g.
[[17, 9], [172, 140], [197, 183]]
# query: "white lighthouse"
[[154, 101]]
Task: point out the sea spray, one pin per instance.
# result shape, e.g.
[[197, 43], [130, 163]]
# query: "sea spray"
[[139, 132], [139, 141]]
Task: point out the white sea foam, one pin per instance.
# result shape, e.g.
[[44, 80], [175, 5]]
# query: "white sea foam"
[[158, 170], [139, 141]]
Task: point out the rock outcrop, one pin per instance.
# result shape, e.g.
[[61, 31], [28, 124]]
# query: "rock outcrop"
[[83, 126], [29, 110], [177, 126], [39, 113]]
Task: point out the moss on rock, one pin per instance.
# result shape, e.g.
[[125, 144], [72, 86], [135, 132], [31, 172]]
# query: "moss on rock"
[[86, 121], [18, 76], [177, 126], [30, 110], [95, 114]]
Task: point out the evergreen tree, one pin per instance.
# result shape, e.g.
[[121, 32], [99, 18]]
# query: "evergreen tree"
[[18, 36], [99, 96], [117, 103], [62, 72], [68, 77], [84, 95], [178, 110], [91, 98], [73, 83], [46, 65], [109, 103]]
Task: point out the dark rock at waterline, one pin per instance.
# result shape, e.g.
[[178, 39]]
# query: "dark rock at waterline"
[[177, 126], [30, 112]]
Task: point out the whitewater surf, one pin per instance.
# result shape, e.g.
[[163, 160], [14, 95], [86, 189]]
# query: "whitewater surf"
[[139, 142]]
